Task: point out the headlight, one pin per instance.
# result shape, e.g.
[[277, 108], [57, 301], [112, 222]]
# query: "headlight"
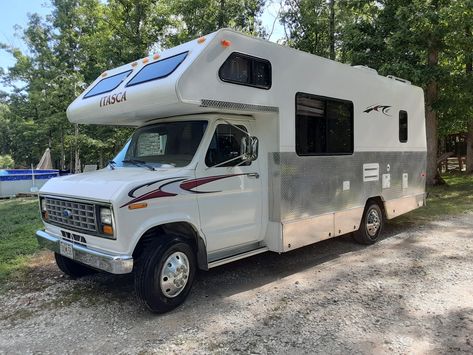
[[106, 216]]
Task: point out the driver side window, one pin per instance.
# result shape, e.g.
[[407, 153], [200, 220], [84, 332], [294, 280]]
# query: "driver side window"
[[225, 145]]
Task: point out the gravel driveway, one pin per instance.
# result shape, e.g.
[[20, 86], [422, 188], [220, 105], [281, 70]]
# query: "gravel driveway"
[[410, 293]]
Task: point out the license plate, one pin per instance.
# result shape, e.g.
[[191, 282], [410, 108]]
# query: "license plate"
[[66, 249]]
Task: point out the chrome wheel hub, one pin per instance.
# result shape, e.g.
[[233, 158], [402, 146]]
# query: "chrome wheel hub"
[[174, 274], [373, 222]]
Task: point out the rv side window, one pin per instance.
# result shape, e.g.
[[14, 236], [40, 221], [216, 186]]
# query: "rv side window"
[[324, 126], [246, 70], [107, 84], [403, 126], [157, 70], [225, 145]]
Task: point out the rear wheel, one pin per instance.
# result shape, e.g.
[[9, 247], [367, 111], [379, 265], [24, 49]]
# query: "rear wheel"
[[71, 267], [371, 225], [164, 274]]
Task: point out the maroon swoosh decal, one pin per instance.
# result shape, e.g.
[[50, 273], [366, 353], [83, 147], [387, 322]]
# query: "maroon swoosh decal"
[[189, 185], [150, 195]]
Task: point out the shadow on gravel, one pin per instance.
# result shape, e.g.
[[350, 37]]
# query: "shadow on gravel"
[[225, 280]]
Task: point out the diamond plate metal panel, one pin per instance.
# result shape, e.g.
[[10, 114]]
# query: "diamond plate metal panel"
[[307, 186]]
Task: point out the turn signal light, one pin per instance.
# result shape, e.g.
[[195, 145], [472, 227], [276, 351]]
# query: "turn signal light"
[[145, 60], [134, 64], [201, 40], [225, 43], [45, 215], [104, 74], [107, 230], [156, 56], [136, 206]]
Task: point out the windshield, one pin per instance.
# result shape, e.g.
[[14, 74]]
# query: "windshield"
[[167, 144]]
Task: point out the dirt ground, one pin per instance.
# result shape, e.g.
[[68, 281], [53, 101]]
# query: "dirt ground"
[[410, 293]]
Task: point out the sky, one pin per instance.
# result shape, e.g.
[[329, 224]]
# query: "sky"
[[15, 13]]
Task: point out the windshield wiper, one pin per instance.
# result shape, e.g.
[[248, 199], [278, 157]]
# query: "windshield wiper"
[[139, 163], [112, 164]]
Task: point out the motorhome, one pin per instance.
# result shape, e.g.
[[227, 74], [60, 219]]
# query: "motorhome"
[[242, 146]]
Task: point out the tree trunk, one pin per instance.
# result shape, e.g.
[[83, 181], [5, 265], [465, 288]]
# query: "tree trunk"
[[77, 151], [100, 159], [62, 164], [431, 96], [332, 29], [469, 136], [221, 15], [469, 149]]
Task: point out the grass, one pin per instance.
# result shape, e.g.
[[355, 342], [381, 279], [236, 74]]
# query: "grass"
[[19, 220], [455, 198]]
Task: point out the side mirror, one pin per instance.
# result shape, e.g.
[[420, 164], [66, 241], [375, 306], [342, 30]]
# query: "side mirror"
[[249, 148]]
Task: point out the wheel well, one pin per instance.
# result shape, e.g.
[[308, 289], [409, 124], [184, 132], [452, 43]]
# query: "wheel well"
[[379, 201], [175, 229]]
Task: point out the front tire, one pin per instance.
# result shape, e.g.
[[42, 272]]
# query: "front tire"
[[164, 274], [72, 268], [371, 225]]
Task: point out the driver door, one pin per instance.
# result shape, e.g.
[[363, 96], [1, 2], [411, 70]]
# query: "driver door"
[[229, 195]]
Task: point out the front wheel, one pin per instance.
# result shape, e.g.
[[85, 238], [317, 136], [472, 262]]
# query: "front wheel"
[[164, 275], [371, 225]]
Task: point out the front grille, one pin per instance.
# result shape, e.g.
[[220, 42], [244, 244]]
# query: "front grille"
[[77, 215]]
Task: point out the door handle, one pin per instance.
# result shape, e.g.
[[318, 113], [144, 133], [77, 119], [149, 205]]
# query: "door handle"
[[253, 175]]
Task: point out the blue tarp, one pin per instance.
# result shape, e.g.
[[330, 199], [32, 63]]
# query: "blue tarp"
[[25, 174]]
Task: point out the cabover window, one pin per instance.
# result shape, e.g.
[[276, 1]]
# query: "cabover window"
[[107, 84], [403, 126], [246, 70], [324, 126], [158, 70]]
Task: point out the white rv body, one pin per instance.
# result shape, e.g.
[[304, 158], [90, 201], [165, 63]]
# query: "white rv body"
[[279, 202]]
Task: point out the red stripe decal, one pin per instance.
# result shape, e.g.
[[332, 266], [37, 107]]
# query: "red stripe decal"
[[189, 185]]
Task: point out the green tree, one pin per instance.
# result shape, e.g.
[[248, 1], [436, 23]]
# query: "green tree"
[[201, 17]]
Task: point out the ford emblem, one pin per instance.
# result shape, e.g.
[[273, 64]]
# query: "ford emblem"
[[67, 213]]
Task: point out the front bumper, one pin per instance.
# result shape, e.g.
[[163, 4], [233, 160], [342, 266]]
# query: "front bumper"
[[114, 264]]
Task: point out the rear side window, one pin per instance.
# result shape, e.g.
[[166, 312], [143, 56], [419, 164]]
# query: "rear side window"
[[403, 126], [158, 70], [324, 126], [246, 70], [107, 84]]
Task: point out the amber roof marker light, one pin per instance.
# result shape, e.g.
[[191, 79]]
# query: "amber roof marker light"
[[225, 43]]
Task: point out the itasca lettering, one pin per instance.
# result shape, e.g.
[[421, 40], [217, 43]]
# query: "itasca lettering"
[[113, 99]]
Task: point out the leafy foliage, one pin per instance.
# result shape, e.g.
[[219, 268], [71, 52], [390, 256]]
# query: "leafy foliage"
[[68, 49], [6, 161]]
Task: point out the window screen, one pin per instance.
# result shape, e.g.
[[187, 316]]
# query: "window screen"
[[107, 84], [246, 70], [403, 126], [225, 145], [324, 126], [157, 70]]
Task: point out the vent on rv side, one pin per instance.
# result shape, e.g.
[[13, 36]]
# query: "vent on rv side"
[[107, 84], [246, 70], [370, 172], [158, 70]]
